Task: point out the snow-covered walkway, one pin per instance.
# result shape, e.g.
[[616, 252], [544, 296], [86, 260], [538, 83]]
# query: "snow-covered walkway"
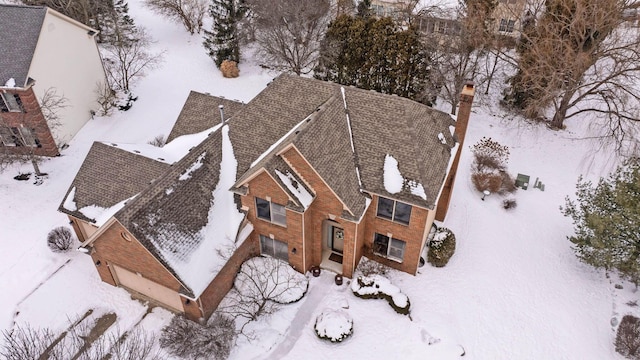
[[300, 322]]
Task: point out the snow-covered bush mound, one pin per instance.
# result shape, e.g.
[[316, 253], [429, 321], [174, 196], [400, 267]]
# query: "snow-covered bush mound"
[[274, 279], [379, 287], [441, 248], [334, 325]]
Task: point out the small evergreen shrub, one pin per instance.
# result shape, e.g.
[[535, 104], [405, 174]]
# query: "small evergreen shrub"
[[333, 325], [184, 338], [628, 337], [441, 248], [229, 69], [60, 239]]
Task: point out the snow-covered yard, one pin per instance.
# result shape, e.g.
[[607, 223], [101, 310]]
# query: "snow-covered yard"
[[513, 289]]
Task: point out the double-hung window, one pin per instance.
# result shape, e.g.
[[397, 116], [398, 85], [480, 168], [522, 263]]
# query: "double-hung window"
[[503, 25], [510, 25], [388, 247], [274, 248], [394, 210], [270, 211], [10, 103]]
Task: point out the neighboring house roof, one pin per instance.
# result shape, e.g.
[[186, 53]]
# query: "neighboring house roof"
[[187, 218], [201, 112], [108, 176], [20, 28]]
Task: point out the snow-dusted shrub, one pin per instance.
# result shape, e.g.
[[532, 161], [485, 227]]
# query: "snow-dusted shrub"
[[334, 325], [368, 267], [509, 204], [488, 170], [489, 155], [628, 337], [379, 287], [487, 181], [187, 339], [261, 286], [60, 239], [441, 248], [229, 69]]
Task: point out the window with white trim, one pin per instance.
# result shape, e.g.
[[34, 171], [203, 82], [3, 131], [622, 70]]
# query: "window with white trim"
[[394, 210], [388, 247], [10, 103], [270, 211], [274, 248]]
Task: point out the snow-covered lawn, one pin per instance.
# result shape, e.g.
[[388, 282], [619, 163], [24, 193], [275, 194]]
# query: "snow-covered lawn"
[[513, 289]]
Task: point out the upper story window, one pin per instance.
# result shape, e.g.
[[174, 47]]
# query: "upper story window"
[[394, 210], [389, 247], [507, 25], [10, 103], [270, 211], [18, 136]]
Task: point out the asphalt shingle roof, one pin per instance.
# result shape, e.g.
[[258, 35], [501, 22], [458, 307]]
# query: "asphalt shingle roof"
[[201, 112], [109, 175], [20, 27]]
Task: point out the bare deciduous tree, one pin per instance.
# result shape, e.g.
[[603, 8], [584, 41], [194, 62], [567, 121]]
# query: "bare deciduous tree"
[[261, 287], [129, 58], [189, 13], [579, 59], [289, 32], [26, 342]]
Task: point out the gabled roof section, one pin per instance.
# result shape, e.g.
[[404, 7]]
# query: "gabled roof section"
[[201, 112], [409, 132], [108, 176], [20, 27], [187, 218], [286, 101]]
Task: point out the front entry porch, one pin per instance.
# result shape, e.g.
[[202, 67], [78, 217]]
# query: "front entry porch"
[[332, 247]]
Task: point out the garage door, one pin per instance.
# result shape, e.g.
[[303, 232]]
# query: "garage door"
[[147, 287]]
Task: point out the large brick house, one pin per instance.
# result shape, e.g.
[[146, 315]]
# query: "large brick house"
[[45, 54], [310, 172]]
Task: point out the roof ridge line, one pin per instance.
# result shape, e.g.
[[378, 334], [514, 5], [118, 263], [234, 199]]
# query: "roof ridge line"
[[353, 147]]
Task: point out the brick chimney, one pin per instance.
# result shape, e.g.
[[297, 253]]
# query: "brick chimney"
[[462, 121]]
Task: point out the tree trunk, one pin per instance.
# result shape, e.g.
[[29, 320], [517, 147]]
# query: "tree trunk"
[[558, 118], [36, 168]]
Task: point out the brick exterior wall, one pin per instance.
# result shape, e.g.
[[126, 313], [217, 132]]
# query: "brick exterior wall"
[[223, 282], [411, 234], [112, 248], [32, 119], [264, 186], [326, 203]]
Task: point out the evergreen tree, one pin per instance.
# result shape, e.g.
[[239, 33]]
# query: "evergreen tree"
[[118, 25], [223, 43], [606, 219], [374, 54]]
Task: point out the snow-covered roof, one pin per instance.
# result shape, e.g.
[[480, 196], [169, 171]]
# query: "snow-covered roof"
[[108, 176]]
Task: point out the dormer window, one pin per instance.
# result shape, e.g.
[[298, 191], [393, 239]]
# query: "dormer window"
[[270, 211], [394, 210]]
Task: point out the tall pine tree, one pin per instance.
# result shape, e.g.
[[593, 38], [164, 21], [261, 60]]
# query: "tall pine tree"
[[374, 54], [223, 43], [607, 219]]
